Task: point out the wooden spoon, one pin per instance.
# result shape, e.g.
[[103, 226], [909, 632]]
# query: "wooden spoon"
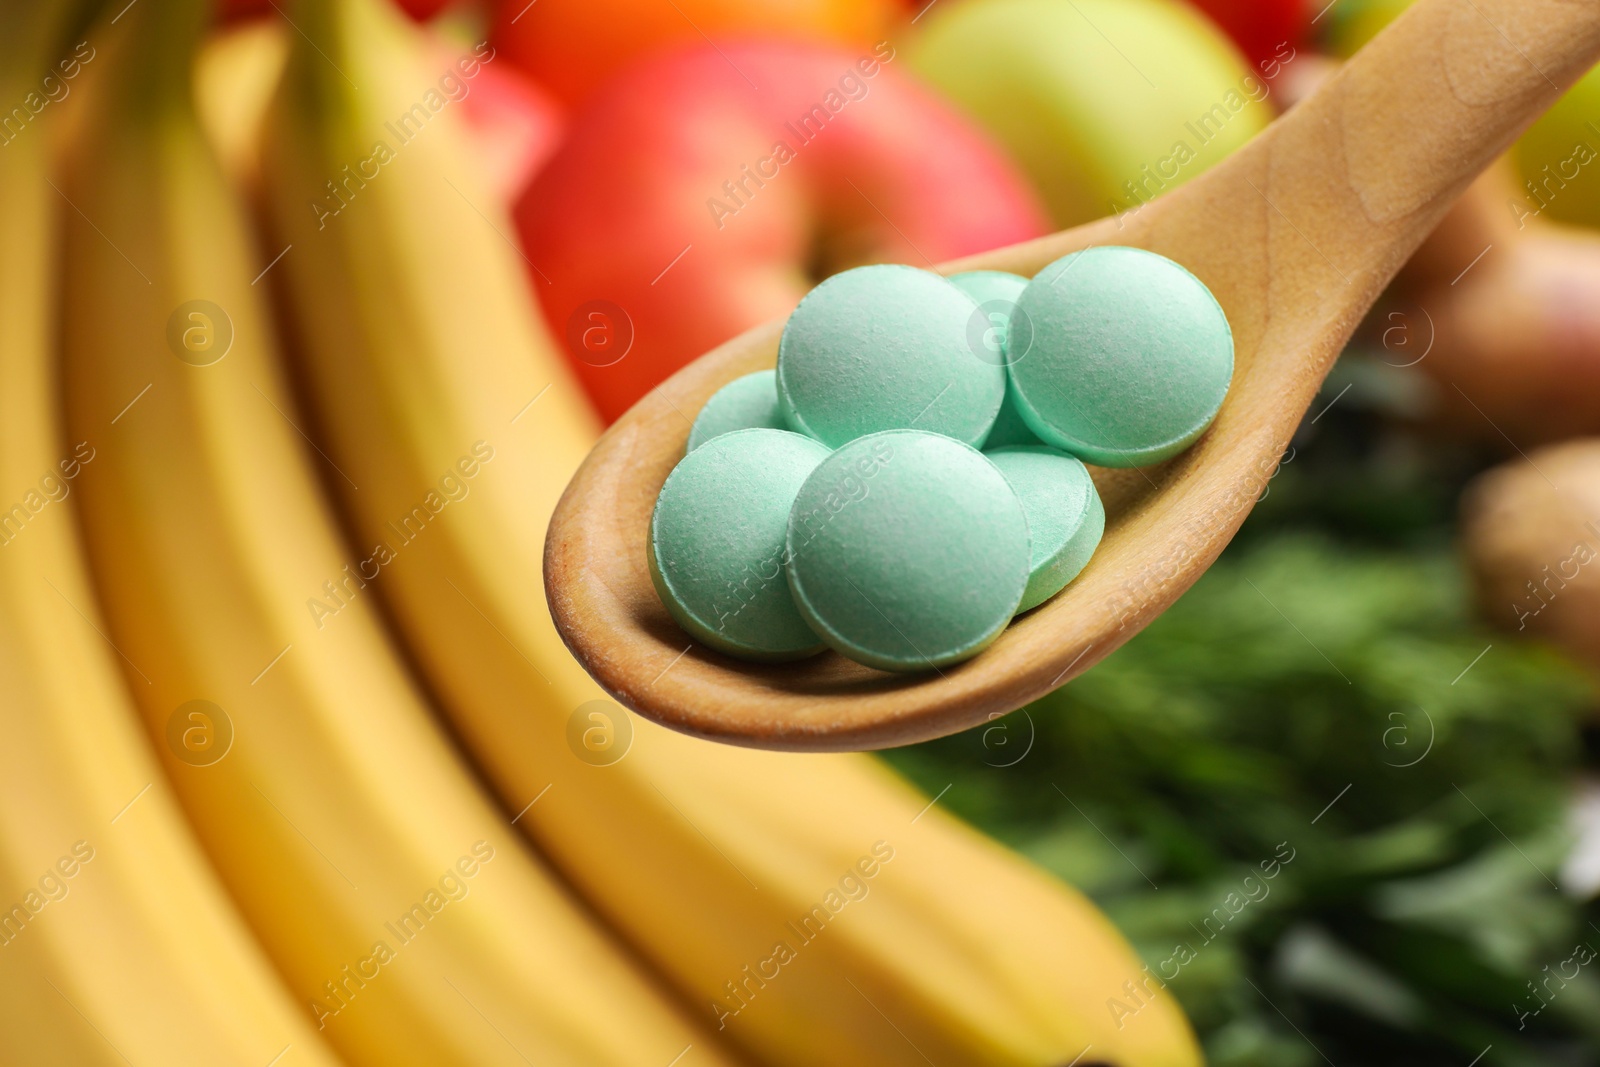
[[1297, 234]]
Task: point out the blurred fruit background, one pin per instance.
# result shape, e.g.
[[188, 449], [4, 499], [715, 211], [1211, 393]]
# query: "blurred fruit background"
[[309, 309]]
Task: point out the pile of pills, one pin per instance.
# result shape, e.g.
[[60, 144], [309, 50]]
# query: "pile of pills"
[[841, 501]]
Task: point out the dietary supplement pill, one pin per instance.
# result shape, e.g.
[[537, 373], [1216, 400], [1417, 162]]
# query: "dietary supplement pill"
[[996, 292], [1065, 516], [908, 550], [716, 546], [881, 348], [1009, 429], [746, 403], [1131, 357]]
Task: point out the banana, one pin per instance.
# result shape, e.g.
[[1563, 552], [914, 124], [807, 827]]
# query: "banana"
[[407, 919], [235, 73], [815, 908], [117, 943]]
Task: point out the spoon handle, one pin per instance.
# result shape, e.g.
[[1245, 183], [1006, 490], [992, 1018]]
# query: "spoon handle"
[[1417, 115], [1348, 183]]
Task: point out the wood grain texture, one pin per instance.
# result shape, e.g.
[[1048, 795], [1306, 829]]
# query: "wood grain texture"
[[1297, 234]]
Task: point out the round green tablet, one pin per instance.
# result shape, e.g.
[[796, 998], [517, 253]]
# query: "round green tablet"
[[747, 403], [1009, 429], [716, 548], [885, 348], [908, 550], [996, 292], [1130, 360], [1065, 516]]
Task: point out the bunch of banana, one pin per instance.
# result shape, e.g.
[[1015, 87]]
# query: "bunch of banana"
[[815, 909], [408, 920], [117, 944]]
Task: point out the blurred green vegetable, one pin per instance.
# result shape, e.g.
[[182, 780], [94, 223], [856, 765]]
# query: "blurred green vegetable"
[[1321, 705]]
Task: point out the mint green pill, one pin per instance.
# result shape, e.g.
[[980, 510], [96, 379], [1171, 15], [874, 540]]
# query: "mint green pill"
[[717, 554], [1130, 360], [996, 292], [908, 551], [747, 403], [885, 348], [1064, 512], [1009, 429]]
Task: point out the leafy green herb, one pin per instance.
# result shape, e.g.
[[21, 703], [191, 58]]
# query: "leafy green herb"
[[1324, 691]]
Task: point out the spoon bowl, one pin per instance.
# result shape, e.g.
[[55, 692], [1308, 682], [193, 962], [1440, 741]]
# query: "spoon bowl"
[[1296, 234]]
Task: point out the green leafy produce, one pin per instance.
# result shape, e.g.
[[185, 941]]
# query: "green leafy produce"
[[1322, 702]]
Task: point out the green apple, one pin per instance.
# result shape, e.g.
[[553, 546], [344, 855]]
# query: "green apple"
[[1352, 23], [1105, 103], [1559, 158]]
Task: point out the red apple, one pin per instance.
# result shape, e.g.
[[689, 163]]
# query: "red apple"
[[708, 189], [1261, 27], [514, 124], [573, 46], [421, 10]]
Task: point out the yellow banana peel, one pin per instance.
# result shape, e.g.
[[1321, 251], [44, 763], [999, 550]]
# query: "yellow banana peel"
[[410, 923], [117, 943], [813, 908]]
